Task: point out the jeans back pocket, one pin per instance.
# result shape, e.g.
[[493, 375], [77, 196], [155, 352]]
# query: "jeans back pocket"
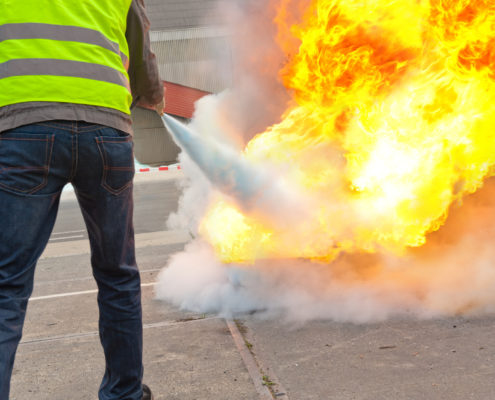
[[118, 162], [25, 161]]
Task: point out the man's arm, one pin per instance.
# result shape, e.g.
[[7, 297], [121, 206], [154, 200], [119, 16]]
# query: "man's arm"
[[146, 86]]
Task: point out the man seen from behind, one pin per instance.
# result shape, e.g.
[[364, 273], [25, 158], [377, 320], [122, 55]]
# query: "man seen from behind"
[[69, 72]]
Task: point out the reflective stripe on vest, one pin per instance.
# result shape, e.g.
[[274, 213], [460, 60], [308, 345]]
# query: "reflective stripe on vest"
[[79, 55], [59, 32], [76, 69]]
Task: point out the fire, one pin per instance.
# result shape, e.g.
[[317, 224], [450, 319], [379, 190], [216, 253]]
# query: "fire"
[[392, 123]]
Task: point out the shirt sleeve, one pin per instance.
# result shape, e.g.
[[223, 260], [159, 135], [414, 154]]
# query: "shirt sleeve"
[[146, 85]]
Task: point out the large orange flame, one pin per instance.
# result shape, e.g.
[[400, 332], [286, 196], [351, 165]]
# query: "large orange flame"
[[393, 121]]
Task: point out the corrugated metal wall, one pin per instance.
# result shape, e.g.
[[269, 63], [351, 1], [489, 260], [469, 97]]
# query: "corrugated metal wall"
[[179, 14], [199, 58]]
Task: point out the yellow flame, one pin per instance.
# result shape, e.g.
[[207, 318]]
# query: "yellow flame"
[[394, 121]]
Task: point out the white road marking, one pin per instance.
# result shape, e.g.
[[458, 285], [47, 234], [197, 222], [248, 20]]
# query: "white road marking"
[[66, 237], [88, 278], [68, 294], [68, 232], [76, 247]]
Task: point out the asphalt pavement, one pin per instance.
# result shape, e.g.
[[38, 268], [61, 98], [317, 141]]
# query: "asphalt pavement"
[[191, 356]]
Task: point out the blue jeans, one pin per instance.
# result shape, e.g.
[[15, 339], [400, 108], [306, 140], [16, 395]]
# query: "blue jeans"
[[36, 162]]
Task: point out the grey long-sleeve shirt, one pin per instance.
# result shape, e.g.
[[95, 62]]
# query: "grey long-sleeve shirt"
[[146, 86]]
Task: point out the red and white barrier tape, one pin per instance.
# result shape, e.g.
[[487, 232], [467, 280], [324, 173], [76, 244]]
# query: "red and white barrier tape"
[[171, 168]]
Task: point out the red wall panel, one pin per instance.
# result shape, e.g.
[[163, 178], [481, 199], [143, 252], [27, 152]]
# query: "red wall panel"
[[180, 99]]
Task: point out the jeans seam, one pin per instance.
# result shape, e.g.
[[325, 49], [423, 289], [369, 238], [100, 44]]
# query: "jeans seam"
[[67, 128], [116, 191], [88, 129], [49, 151], [114, 141], [103, 175], [72, 151], [76, 161], [26, 139], [55, 126]]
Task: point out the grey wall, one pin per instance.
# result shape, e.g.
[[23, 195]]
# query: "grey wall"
[[153, 145], [178, 14]]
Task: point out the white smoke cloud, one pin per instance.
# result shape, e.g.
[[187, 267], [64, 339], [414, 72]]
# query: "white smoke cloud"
[[457, 278], [196, 280]]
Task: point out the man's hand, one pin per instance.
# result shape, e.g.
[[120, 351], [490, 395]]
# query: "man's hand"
[[160, 107]]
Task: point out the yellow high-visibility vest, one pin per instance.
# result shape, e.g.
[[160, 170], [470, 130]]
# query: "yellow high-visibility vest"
[[68, 51]]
